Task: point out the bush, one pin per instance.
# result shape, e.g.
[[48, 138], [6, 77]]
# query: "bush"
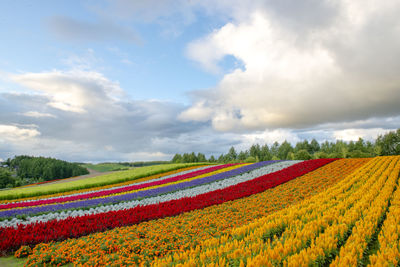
[[250, 160], [302, 155]]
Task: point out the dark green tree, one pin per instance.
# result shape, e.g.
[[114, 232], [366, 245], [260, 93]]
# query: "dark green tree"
[[177, 158], [389, 143], [302, 155], [6, 180], [284, 149]]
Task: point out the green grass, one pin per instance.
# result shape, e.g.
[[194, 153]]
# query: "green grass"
[[11, 261], [105, 167], [107, 179]]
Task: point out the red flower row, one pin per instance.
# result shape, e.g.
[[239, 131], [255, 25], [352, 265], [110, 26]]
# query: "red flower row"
[[12, 238], [112, 191]]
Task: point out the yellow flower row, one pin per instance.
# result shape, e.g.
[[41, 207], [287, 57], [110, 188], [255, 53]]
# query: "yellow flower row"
[[352, 251], [389, 237], [140, 243], [307, 233]]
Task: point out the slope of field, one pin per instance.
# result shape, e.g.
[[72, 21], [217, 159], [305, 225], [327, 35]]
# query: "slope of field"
[[165, 196], [108, 179], [339, 227], [142, 242], [278, 213]]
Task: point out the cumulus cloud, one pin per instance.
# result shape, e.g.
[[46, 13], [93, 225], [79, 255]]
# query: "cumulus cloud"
[[300, 71], [74, 91], [101, 30], [17, 133], [82, 115]]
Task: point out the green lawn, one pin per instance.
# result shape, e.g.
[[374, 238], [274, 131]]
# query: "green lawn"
[[107, 179], [11, 261], [105, 167]]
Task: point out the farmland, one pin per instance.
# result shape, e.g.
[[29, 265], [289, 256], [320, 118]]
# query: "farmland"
[[337, 212]]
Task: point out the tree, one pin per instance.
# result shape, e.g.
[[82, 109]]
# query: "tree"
[[302, 155], [284, 150], [186, 158], [177, 158], [321, 155], [255, 151], [201, 157], [265, 153], [242, 156], [274, 150], [290, 155], [389, 143], [193, 157], [6, 180], [232, 155], [250, 159], [212, 159], [303, 145], [314, 146]]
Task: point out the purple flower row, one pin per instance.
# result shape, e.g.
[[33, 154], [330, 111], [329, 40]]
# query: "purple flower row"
[[135, 195]]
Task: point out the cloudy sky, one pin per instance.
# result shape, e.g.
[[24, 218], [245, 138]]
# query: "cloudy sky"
[[130, 80]]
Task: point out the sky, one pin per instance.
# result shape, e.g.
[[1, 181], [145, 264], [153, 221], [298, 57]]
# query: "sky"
[[95, 81]]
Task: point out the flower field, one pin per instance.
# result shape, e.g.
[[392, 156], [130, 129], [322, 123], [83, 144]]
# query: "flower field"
[[338, 212]]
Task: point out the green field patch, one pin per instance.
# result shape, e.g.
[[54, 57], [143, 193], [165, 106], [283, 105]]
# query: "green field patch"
[[106, 167], [11, 261]]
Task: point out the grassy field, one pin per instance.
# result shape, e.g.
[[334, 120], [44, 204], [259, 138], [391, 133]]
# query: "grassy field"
[[106, 179], [105, 167], [11, 261]]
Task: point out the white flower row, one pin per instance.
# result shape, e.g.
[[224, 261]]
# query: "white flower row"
[[117, 187], [190, 192]]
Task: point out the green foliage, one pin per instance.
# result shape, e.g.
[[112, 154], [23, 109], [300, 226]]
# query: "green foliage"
[[5, 178], [389, 143], [36, 168], [302, 155], [250, 160]]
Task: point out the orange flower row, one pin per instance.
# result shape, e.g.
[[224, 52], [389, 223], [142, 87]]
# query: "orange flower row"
[[335, 228], [139, 244]]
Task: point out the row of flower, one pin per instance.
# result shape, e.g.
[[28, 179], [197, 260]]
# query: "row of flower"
[[142, 242], [189, 192], [190, 188], [133, 177], [337, 227], [103, 191], [75, 200], [13, 237]]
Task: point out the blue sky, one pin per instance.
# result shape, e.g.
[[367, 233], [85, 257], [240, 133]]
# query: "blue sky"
[[154, 67], [141, 80]]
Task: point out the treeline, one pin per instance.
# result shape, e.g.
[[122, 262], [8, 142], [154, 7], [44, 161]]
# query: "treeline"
[[22, 170], [384, 145], [143, 163]]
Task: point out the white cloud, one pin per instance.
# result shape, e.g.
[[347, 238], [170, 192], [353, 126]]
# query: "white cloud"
[[36, 114], [269, 137], [355, 134], [302, 76], [73, 91], [15, 134]]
